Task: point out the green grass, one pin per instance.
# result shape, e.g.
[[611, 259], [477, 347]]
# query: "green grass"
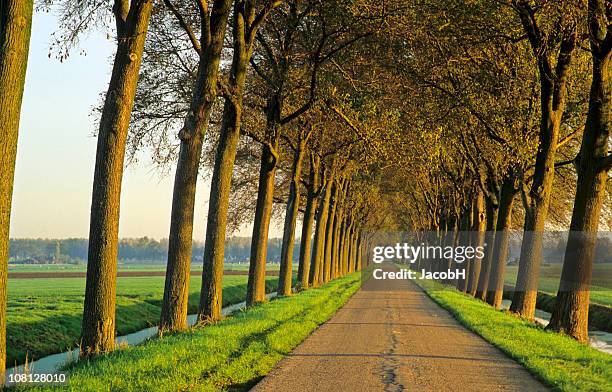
[[44, 315], [557, 360], [233, 354], [601, 292], [128, 267]]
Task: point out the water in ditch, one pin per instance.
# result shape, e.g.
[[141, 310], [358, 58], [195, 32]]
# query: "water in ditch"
[[599, 340], [53, 363]]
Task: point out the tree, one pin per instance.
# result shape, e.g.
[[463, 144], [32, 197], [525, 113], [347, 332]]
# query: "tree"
[[246, 23], [312, 200], [209, 46], [295, 46], [15, 29], [285, 275], [500, 253], [553, 50], [98, 328], [593, 162]]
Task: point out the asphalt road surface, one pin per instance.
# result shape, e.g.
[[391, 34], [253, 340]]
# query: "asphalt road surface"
[[393, 337]]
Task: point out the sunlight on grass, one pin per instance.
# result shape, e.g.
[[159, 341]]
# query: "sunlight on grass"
[[44, 315], [557, 360], [234, 354]]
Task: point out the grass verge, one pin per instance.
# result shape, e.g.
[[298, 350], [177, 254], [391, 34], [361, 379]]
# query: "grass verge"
[[557, 360], [231, 355], [44, 315]]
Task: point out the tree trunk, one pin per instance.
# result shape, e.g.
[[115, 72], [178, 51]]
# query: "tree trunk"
[[572, 305], [342, 241], [552, 106], [478, 229], [337, 232], [211, 293], [500, 251], [353, 251], [465, 240], [256, 285], [318, 250], [15, 28], [492, 209], [524, 298], [293, 204], [211, 299], [180, 240], [335, 247], [329, 231], [307, 224], [359, 261], [349, 253], [98, 327]]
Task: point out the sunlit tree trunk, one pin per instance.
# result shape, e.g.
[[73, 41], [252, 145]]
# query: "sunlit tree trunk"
[[342, 234], [350, 267], [478, 229], [492, 209], [256, 285], [98, 327], [359, 252], [180, 239], [572, 305], [318, 250], [293, 204], [465, 240], [336, 241], [349, 262], [329, 231], [500, 251], [15, 29], [307, 224]]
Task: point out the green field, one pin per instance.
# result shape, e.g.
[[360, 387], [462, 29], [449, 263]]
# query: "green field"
[[44, 315], [601, 292], [128, 267], [557, 360], [231, 355]]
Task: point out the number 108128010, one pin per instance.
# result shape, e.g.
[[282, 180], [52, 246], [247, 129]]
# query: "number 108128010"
[[36, 378]]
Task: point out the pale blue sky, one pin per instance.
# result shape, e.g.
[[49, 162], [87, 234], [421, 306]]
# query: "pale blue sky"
[[56, 150]]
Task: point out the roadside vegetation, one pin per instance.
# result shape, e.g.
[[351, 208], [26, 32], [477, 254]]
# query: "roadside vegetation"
[[232, 354], [44, 315], [559, 361]]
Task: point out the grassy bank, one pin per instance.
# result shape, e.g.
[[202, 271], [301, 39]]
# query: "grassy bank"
[[557, 360], [233, 354], [44, 315]]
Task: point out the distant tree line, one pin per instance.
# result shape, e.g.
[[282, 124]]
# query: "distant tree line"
[[131, 250]]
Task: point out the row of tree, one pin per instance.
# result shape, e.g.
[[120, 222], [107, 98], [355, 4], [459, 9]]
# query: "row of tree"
[[195, 74], [361, 116], [520, 113]]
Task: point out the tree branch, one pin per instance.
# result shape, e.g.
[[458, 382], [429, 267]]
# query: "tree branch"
[[185, 26]]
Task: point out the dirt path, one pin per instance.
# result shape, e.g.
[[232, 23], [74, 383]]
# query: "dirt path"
[[396, 339]]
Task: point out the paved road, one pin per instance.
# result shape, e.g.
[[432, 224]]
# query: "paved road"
[[396, 339]]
